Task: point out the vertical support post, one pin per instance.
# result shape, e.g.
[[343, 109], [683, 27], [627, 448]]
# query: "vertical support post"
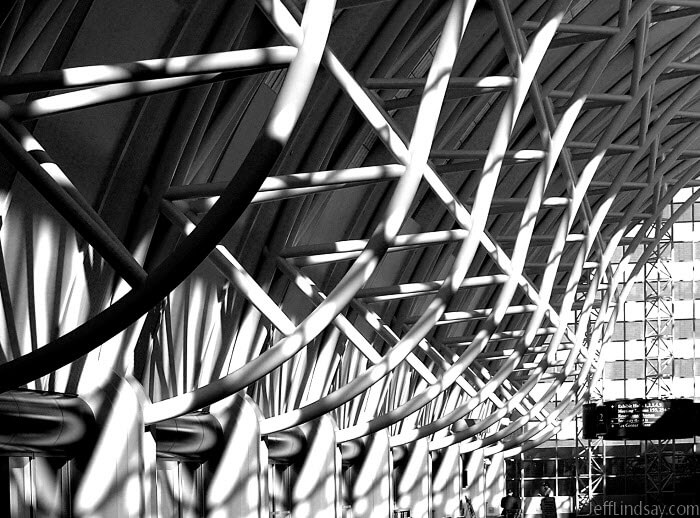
[[447, 479], [476, 486], [112, 477], [486, 483], [413, 481], [236, 481], [150, 472], [315, 489], [495, 484], [370, 492]]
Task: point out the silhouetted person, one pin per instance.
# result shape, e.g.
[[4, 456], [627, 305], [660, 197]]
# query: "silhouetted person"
[[510, 505], [548, 504]]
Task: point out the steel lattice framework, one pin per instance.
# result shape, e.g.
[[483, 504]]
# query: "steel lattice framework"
[[400, 213]]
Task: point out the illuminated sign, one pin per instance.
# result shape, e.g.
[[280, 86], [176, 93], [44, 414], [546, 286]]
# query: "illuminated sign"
[[641, 419], [637, 413]]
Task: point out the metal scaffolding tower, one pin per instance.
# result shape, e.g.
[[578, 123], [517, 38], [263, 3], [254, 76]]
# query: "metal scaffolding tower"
[[658, 362]]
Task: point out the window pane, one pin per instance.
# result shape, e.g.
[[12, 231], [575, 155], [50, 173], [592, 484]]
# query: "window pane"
[[566, 487], [533, 468], [549, 468], [567, 467], [615, 485], [683, 251]]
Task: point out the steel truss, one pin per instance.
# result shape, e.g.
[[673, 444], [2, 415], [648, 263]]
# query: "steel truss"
[[512, 274]]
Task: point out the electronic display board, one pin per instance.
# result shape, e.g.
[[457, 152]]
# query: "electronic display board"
[[634, 418], [642, 419]]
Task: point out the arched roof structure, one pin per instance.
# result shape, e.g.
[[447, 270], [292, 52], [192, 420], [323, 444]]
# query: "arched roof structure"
[[402, 213]]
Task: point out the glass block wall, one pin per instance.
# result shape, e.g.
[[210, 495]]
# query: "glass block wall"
[[655, 352]]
